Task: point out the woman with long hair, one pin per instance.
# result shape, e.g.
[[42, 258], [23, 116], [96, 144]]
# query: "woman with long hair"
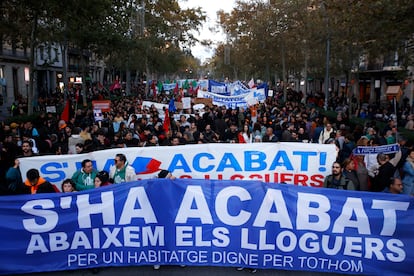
[[350, 173], [245, 136]]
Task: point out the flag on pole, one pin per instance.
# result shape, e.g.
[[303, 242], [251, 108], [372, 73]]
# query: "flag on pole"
[[171, 105], [115, 85], [166, 125], [186, 84], [153, 88], [181, 95], [65, 114], [251, 83], [159, 86], [176, 88]]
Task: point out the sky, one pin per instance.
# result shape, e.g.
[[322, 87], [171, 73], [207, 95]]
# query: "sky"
[[210, 7]]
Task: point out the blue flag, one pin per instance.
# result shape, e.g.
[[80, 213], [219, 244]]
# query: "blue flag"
[[171, 105]]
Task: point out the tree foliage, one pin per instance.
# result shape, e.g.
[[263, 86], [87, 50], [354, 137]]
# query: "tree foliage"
[[152, 35], [263, 35], [129, 34]]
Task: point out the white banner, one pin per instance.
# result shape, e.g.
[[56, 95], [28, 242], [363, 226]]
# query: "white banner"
[[291, 163], [97, 113], [242, 100], [160, 107], [186, 102]]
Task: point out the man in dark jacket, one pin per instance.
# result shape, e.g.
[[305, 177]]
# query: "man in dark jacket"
[[337, 180], [269, 136], [386, 170]]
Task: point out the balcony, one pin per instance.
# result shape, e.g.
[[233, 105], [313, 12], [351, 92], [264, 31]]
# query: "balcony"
[[17, 56]]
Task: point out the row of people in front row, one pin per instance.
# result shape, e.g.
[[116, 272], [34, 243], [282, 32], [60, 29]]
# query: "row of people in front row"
[[87, 178], [84, 179], [340, 181]]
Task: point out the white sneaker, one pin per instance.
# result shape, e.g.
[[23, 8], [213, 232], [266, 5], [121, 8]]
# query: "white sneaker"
[[156, 267]]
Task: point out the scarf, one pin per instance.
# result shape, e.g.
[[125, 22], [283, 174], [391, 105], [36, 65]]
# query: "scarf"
[[33, 188]]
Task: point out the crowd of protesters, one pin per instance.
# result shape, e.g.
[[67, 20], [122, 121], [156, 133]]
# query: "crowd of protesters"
[[130, 124]]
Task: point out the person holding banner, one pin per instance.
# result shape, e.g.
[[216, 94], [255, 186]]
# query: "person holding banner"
[[14, 181], [337, 180], [68, 186], [35, 184], [166, 174], [122, 171], [386, 170], [102, 179], [84, 177]]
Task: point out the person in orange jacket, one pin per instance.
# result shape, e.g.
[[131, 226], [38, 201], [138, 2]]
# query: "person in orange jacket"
[[36, 184]]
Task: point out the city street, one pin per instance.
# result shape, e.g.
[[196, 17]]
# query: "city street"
[[176, 270]]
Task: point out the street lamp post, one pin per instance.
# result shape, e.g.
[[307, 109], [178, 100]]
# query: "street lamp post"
[[328, 49], [394, 102], [27, 80]]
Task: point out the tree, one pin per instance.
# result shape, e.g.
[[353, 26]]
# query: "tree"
[[104, 27], [289, 37], [155, 36]]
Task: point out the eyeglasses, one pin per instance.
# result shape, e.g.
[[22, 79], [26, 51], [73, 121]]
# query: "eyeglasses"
[[116, 160], [336, 167]]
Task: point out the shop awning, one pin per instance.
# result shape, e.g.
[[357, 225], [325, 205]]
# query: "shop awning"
[[393, 90]]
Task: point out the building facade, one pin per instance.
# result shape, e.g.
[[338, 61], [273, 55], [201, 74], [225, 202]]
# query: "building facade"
[[15, 74]]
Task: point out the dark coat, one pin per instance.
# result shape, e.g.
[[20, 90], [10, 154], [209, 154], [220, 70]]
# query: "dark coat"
[[42, 186], [382, 179]]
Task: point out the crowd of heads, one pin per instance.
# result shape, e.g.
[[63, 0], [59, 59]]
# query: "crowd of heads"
[[131, 124]]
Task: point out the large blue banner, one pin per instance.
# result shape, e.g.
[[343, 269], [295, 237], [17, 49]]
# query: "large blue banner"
[[209, 223], [217, 87]]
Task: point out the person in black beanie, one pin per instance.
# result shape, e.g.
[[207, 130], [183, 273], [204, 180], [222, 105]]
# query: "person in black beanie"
[[165, 174]]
